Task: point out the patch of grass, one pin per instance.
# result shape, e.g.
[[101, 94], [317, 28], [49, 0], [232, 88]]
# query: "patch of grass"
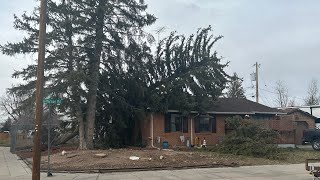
[[241, 160], [286, 156], [207, 149], [296, 156], [4, 143]]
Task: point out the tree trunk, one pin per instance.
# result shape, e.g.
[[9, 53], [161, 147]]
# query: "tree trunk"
[[66, 138], [94, 76], [75, 90]]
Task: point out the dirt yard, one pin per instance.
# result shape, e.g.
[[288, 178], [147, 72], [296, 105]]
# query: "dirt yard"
[[116, 159], [149, 158]]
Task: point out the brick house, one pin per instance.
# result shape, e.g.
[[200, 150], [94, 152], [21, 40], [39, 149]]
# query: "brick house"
[[301, 116], [193, 128], [295, 121]]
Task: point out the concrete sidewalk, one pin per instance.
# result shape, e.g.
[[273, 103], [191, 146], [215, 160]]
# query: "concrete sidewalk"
[[13, 168]]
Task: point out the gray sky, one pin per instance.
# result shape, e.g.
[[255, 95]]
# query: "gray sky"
[[8, 34], [283, 36]]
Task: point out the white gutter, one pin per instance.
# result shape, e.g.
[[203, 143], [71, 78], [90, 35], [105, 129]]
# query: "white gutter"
[[234, 113], [151, 132], [295, 107], [173, 111], [249, 113], [191, 128]]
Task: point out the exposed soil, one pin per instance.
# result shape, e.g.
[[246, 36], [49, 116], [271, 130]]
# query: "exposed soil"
[[27, 154], [149, 158]]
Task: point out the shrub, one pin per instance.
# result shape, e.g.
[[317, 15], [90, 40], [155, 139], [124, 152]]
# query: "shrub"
[[249, 139]]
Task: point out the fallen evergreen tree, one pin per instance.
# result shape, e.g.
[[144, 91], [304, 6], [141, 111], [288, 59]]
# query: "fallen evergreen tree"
[[248, 138]]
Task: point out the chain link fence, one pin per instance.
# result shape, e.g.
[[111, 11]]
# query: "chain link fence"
[[22, 134], [21, 137]]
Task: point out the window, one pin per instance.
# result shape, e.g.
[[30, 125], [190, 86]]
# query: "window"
[[205, 124], [175, 122]]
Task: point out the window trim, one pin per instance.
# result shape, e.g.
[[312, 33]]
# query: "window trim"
[[167, 123], [212, 124]]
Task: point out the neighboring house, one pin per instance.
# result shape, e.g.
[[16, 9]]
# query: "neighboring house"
[[193, 128], [296, 122], [312, 110], [301, 116]]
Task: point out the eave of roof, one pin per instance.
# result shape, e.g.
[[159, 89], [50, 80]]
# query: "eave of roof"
[[293, 110], [233, 113]]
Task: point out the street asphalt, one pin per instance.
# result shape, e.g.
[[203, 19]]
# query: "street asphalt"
[[13, 168]]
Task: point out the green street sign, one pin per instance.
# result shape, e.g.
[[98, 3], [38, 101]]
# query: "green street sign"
[[52, 101]]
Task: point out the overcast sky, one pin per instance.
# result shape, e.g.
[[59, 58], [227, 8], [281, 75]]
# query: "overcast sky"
[[283, 36]]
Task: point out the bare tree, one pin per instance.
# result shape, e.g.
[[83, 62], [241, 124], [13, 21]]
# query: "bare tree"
[[282, 94], [313, 93], [21, 112], [17, 108], [292, 102]]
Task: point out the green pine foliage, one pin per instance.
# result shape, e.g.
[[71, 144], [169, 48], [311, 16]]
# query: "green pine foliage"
[[249, 139], [82, 36], [234, 88], [183, 74]]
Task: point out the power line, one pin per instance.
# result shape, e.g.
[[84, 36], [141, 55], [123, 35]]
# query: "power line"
[[267, 100], [266, 86], [249, 87], [268, 91], [278, 93], [296, 97]]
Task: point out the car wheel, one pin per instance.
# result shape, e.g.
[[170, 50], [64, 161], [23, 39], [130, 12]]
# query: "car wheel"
[[316, 145]]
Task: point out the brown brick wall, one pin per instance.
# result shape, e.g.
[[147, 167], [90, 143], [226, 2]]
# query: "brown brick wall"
[[5, 138], [174, 137], [301, 117], [284, 124], [286, 137], [287, 122], [145, 130], [289, 127], [214, 138]]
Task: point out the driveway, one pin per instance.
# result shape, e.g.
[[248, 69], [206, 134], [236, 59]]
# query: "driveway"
[[13, 168]]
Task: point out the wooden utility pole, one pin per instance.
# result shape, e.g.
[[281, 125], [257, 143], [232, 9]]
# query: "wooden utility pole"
[[257, 82], [39, 92]]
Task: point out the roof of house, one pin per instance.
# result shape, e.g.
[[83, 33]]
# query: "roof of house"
[[293, 110], [243, 106], [239, 106]]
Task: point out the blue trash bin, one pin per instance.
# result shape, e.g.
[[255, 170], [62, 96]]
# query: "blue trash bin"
[[165, 145]]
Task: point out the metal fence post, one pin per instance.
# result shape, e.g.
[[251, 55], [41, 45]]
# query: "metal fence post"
[[49, 174], [13, 136]]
